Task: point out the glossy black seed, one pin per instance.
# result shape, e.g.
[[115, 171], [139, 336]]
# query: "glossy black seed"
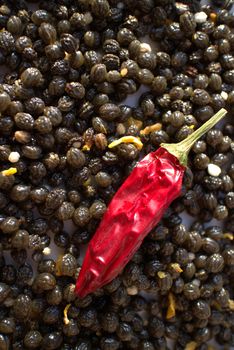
[[65, 211], [201, 161], [156, 327], [164, 281], [24, 121], [5, 101], [98, 73], [124, 331], [229, 200], [109, 322], [7, 325], [47, 33], [201, 309], [67, 265], [194, 241], [228, 255], [55, 198], [209, 245], [25, 275], [22, 306], [69, 43], [222, 297], [181, 256], [187, 23], [189, 271], [4, 342], [44, 281], [7, 41], [159, 85], [215, 263], [75, 90], [52, 340], [191, 291], [4, 291], [97, 209], [75, 158], [46, 265], [212, 183], [9, 225], [103, 179], [201, 97], [33, 339], [54, 297], [81, 216], [51, 315], [20, 239], [220, 212], [31, 77], [215, 82], [109, 111]]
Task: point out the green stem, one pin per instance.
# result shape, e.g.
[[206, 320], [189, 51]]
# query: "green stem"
[[181, 150]]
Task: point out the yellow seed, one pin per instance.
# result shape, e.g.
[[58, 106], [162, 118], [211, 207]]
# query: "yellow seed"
[[127, 139], [191, 127], [171, 311], [132, 121], [148, 129], [211, 347], [4, 9], [123, 72], [231, 304], [67, 56], [86, 148], [177, 267], [120, 129], [58, 266], [168, 21], [228, 236], [87, 182], [213, 17], [161, 274], [65, 311], [191, 345], [10, 171], [132, 290], [216, 305]]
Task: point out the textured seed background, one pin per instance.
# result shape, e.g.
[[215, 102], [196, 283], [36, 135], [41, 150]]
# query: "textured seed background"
[[69, 227]]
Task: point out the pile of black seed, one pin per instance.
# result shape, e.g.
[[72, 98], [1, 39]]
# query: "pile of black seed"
[[70, 64]]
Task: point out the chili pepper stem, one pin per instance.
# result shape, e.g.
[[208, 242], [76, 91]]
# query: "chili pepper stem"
[[180, 150]]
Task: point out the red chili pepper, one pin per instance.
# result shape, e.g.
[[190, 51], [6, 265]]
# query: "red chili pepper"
[[135, 209]]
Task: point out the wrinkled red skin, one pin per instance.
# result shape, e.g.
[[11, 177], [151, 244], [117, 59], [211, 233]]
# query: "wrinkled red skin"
[[135, 209]]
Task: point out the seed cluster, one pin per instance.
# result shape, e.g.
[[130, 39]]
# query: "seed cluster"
[[70, 66]]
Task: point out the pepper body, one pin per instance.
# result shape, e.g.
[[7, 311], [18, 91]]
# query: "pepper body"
[[135, 209]]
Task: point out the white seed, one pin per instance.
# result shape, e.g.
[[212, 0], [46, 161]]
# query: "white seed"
[[144, 47], [224, 95], [196, 282], [46, 251], [214, 170], [14, 157], [120, 5], [132, 290], [88, 17], [120, 129], [200, 17], [192, 256]]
